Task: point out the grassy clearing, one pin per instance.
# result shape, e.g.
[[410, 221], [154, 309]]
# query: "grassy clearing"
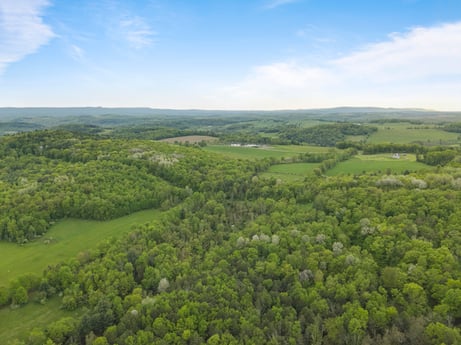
[[402, 133], [381, 163], [69, 237], [191, 139], [290, 172], [17, 323], [276, 151]]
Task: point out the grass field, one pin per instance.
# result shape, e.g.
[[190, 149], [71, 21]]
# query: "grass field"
[[402, 133], [70, 237], [290, 172], [380, 163], [276, 151], [17, 323], [191, 139]]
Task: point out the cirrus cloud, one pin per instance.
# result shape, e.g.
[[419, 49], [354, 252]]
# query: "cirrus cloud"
[[276, 3], [22, 30], [137, 32]]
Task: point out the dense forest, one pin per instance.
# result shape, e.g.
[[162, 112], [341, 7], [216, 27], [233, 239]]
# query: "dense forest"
[[235, 258]]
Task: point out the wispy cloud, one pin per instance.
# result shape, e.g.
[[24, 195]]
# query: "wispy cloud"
[[421, 67], [137, 32], [22, 30], [276, 3], [76, 52]]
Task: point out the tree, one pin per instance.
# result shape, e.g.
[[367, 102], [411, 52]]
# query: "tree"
[[163, 285], [62, 330], [100, 341], [416, 299], [19, 296], [438, 334], [4, 296]]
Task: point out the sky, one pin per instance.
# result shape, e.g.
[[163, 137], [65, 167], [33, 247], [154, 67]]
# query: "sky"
[[231, 54]]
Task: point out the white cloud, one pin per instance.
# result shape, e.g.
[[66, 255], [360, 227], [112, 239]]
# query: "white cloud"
[[22, 31], [291, 75], [418, 54], [137, 32], [77, 53], [276, 3], [420, 68]]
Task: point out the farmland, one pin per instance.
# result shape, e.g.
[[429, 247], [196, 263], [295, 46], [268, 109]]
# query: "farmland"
[[290, 172], [276, 151], [404, 133], [359, 164], [379, 164], [190, 139]]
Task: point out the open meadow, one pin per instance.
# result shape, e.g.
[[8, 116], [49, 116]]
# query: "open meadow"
[[290, 172], [17, 323], [275, 151], [380, 164], [359, 164], [190, 139], [66, 239], [405, 133]]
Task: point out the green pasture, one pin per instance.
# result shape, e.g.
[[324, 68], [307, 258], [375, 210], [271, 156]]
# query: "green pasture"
[[276, 151], [66, 238], [403, 133], [381, 163], [290, 172], [17, 323]]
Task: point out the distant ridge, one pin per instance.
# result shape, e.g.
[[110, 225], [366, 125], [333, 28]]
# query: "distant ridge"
[[143, 111], [14, 120]]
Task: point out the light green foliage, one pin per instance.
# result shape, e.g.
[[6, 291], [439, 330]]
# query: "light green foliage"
[[19, 296], [100, 341], [62, 330], [441, 334]]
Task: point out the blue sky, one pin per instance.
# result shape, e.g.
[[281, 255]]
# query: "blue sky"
[[231, 54]]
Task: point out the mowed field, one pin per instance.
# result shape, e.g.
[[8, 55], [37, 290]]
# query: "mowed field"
[[17, 323], [68, 238], [403, 133], [276, 151], [290, 172], [380, 163], [191, 139], [360, 164]]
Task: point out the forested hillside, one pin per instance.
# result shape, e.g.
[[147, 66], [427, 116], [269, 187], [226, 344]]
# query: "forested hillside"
[[237, 258]]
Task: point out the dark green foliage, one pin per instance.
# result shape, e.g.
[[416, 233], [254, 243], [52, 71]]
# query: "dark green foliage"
[[150, 132], [370, 149], [452, 127], [18, 126], [438, 156]]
